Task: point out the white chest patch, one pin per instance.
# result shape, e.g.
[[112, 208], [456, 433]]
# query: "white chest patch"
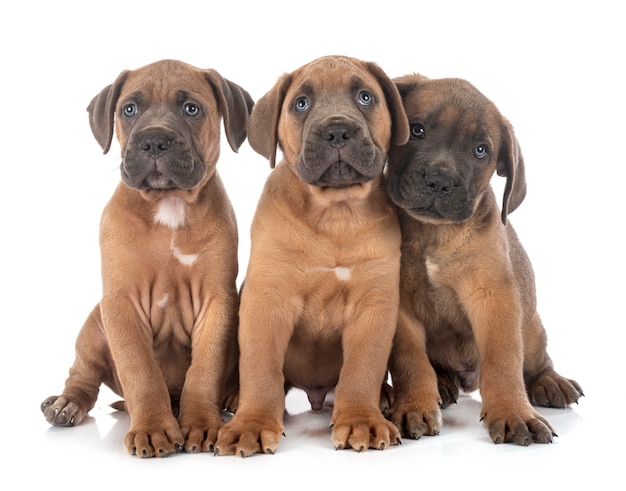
[[432, 268], [171, 213], [186, 259], [342, 273], [163, 302]]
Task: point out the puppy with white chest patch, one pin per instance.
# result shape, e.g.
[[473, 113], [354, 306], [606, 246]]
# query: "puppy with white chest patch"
[[320, 299], [468, 314], [163, 334]]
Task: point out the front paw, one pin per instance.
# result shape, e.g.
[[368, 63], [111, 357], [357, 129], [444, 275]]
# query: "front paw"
[[518, 425], [361, 429], [157, 437], [415, 420], [245, 436], [60, 411], [200, 434]]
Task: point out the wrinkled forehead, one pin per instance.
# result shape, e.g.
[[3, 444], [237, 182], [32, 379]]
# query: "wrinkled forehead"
[[166, 82], [326, 76], [453, 104]]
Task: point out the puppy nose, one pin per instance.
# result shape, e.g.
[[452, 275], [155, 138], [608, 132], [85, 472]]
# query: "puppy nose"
[[438, 184], [155, 143], [337, 134]]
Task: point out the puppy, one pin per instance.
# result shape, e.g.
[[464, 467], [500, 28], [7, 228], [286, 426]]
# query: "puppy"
[[320, 299], [467, 301], [163, 334]]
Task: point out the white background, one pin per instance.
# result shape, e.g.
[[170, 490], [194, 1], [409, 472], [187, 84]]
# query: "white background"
[[556, 71]]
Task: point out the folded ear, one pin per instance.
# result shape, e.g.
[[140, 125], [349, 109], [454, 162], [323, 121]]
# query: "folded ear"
[[235, 105], [511, 165], [399, 120], [101, 111], [263, 124]]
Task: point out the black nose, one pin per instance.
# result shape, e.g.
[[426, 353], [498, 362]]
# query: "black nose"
[[438, 184], [155, 143], [337, 134]]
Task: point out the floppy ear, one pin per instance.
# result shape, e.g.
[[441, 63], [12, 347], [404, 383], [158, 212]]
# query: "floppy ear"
[[399, 119], [511, 165], [101, 111], [235, 105], [263, 124]]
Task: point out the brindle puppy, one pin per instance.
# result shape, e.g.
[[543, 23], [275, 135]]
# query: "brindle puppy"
[[467, 302]]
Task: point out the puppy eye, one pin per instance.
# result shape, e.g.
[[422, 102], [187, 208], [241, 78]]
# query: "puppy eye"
[[480, 152], [191, 109], [418, 130], [365, 98], [301, 104], [130, 110]]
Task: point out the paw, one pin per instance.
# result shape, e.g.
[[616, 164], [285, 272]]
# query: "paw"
[[552, 390], [154, 439], [200, 435], [416, 420], [246, 436], [521, 427], [60, 411], [231, 402], [448, 385], [363, 429]]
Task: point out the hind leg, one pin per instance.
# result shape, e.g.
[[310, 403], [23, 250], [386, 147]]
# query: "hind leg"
[[545, 387], [92, 366]]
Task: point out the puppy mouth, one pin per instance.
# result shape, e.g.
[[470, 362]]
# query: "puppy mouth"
[[160, 174], [341, 169], [340, 175], [411, 192], [156, 180]]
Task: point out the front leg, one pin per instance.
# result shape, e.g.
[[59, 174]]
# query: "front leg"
[[154, 430], [416, 399], [357, 420], [495, 315], [265, 328], [212, 351]]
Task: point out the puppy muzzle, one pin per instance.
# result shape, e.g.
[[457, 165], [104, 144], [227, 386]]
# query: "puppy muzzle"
[[161, 158], [339, 152], [431, 194]]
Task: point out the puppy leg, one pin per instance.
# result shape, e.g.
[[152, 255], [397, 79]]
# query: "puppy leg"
[[154, 431], [416, 399], [544, 385], [265, 328], [357, 420], [92, 366], [200, 414], [495, 316]]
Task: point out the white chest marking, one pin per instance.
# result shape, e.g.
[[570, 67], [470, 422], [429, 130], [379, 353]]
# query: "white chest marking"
[[171, 212], [342, 273], [186, 259], [163, 302], [432, 268]]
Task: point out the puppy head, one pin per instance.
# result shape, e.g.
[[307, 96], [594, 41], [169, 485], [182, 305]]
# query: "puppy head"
[[333, 119], [167, 120], [458, 140]]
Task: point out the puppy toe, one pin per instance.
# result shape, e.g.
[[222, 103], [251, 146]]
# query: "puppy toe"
[[60, 411]]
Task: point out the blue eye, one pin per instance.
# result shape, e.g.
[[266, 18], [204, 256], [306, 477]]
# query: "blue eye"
[[480, 152], [302, 104], [365, 98], [418, 130], [130, 110], [191, 109]]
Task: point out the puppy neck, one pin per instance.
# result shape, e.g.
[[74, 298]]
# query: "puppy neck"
[[171, 213]]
